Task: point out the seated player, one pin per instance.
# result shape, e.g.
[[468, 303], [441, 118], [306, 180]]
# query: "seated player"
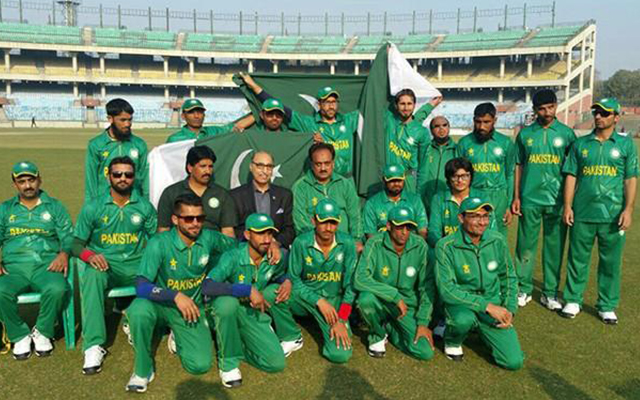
[[395, 288]]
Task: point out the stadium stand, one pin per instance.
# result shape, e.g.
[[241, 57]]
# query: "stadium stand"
[[44, 107], [147, 108], [40, 33], [141, 39], [481, 40], [553, 36], [307, 44]]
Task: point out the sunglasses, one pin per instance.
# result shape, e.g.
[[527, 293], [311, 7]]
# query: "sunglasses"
[[603, 113], [189, 219], [118, 174]]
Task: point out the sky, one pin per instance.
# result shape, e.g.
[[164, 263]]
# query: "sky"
[[617, 32]]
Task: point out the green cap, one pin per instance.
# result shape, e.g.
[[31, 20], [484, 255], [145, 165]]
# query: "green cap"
[[474, 204], [25, 168], [326, 92], [327, 210], [272, 104], [402, 215], [393, 171], [192, 104], [608, 104], [259, 223]]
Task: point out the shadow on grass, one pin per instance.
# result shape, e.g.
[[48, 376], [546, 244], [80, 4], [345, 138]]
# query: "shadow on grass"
[[629, 390], [344, 383], [196, 389], [555, 386]]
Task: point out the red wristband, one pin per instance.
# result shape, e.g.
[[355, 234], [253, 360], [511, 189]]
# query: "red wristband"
[[86, 254], [344, 312]]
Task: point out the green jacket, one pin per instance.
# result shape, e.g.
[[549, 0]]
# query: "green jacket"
[[474, 276], [236, 266], [206, 131], [600, 170], [493, 162], [378, 206], [315, 277], [340, 134], [170, 264], [394, 277], [541, 153], [431, 178], [101, 150], [120, 234], [34, 236], [406, 144], [307, 192]]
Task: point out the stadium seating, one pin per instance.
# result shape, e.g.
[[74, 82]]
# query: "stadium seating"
[[49, 34], [553, 36], [46, 107], [219, 42], [140, 39], [147, 108], [460, 114], [223, 110], [24, 65], [481, 40], [307, 44]]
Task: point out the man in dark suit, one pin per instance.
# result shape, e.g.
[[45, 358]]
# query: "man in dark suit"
[[261, 196]]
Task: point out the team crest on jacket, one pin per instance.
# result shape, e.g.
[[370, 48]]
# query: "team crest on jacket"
[[342, 128], [134, 153], [136, 219], [339, 257], [204, 259], [214, 202], [46, 216], [492, 265], [411, 140], [498, 151], [529, 142], [410, 272], [558, 142], [615, 153]]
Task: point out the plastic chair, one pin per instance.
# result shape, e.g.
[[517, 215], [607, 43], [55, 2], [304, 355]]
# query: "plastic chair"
[[122, 291], [68, 314]]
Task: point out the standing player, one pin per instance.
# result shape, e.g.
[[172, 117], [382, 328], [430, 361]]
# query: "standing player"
[[321, 265], [396, 290], [110, 236], [600, 192], [243, 329], [406, 140], [174, 264], [540, 153], [493, 157], [35, 236], [116, 141]]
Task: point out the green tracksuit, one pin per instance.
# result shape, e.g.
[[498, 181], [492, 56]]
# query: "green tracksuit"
[[600, 170], [469, 277], [378, 206], [170, 264], [541, 153], [383, 278], [493, 168], [431, 178], [406, 143], [120, 235], [101, 150], [244, 333], [206, 131], [340, 134], [315, 277], [30, 241], [307, 192]]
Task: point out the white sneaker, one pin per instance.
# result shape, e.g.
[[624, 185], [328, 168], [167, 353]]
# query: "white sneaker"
[[439, 329], [41, 343], [454, 352], [231, 379], [291, 346], [608, 317], [570, 310], [22, 348], [523, 299], [138, 384], [378, 349], [551, 303], [127, 331], [93, 359], [171, 343]]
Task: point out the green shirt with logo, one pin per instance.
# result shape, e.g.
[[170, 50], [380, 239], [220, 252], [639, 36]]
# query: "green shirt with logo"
[[406, 143], [600, 169], [431, 178], [35, 236], [206, 131], [394, 277], [314, 276], [541, 153], [170, 263], [378, 206]]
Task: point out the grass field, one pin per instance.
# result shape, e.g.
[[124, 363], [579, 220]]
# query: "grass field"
[[577, 359]]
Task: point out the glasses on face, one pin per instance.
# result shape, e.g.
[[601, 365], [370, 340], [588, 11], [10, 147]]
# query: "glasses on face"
[[603, 113], [118, 174], [477, 217], [263, 167], [189, 219], [461, 177]]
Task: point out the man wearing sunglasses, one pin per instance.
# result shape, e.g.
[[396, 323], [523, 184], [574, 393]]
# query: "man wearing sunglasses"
[[478, 285], [110, 235], [396, 289], [599, 195], [169, 294], [541, 149]]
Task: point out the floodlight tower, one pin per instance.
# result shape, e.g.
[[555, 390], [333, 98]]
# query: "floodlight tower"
[[70, 11]]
